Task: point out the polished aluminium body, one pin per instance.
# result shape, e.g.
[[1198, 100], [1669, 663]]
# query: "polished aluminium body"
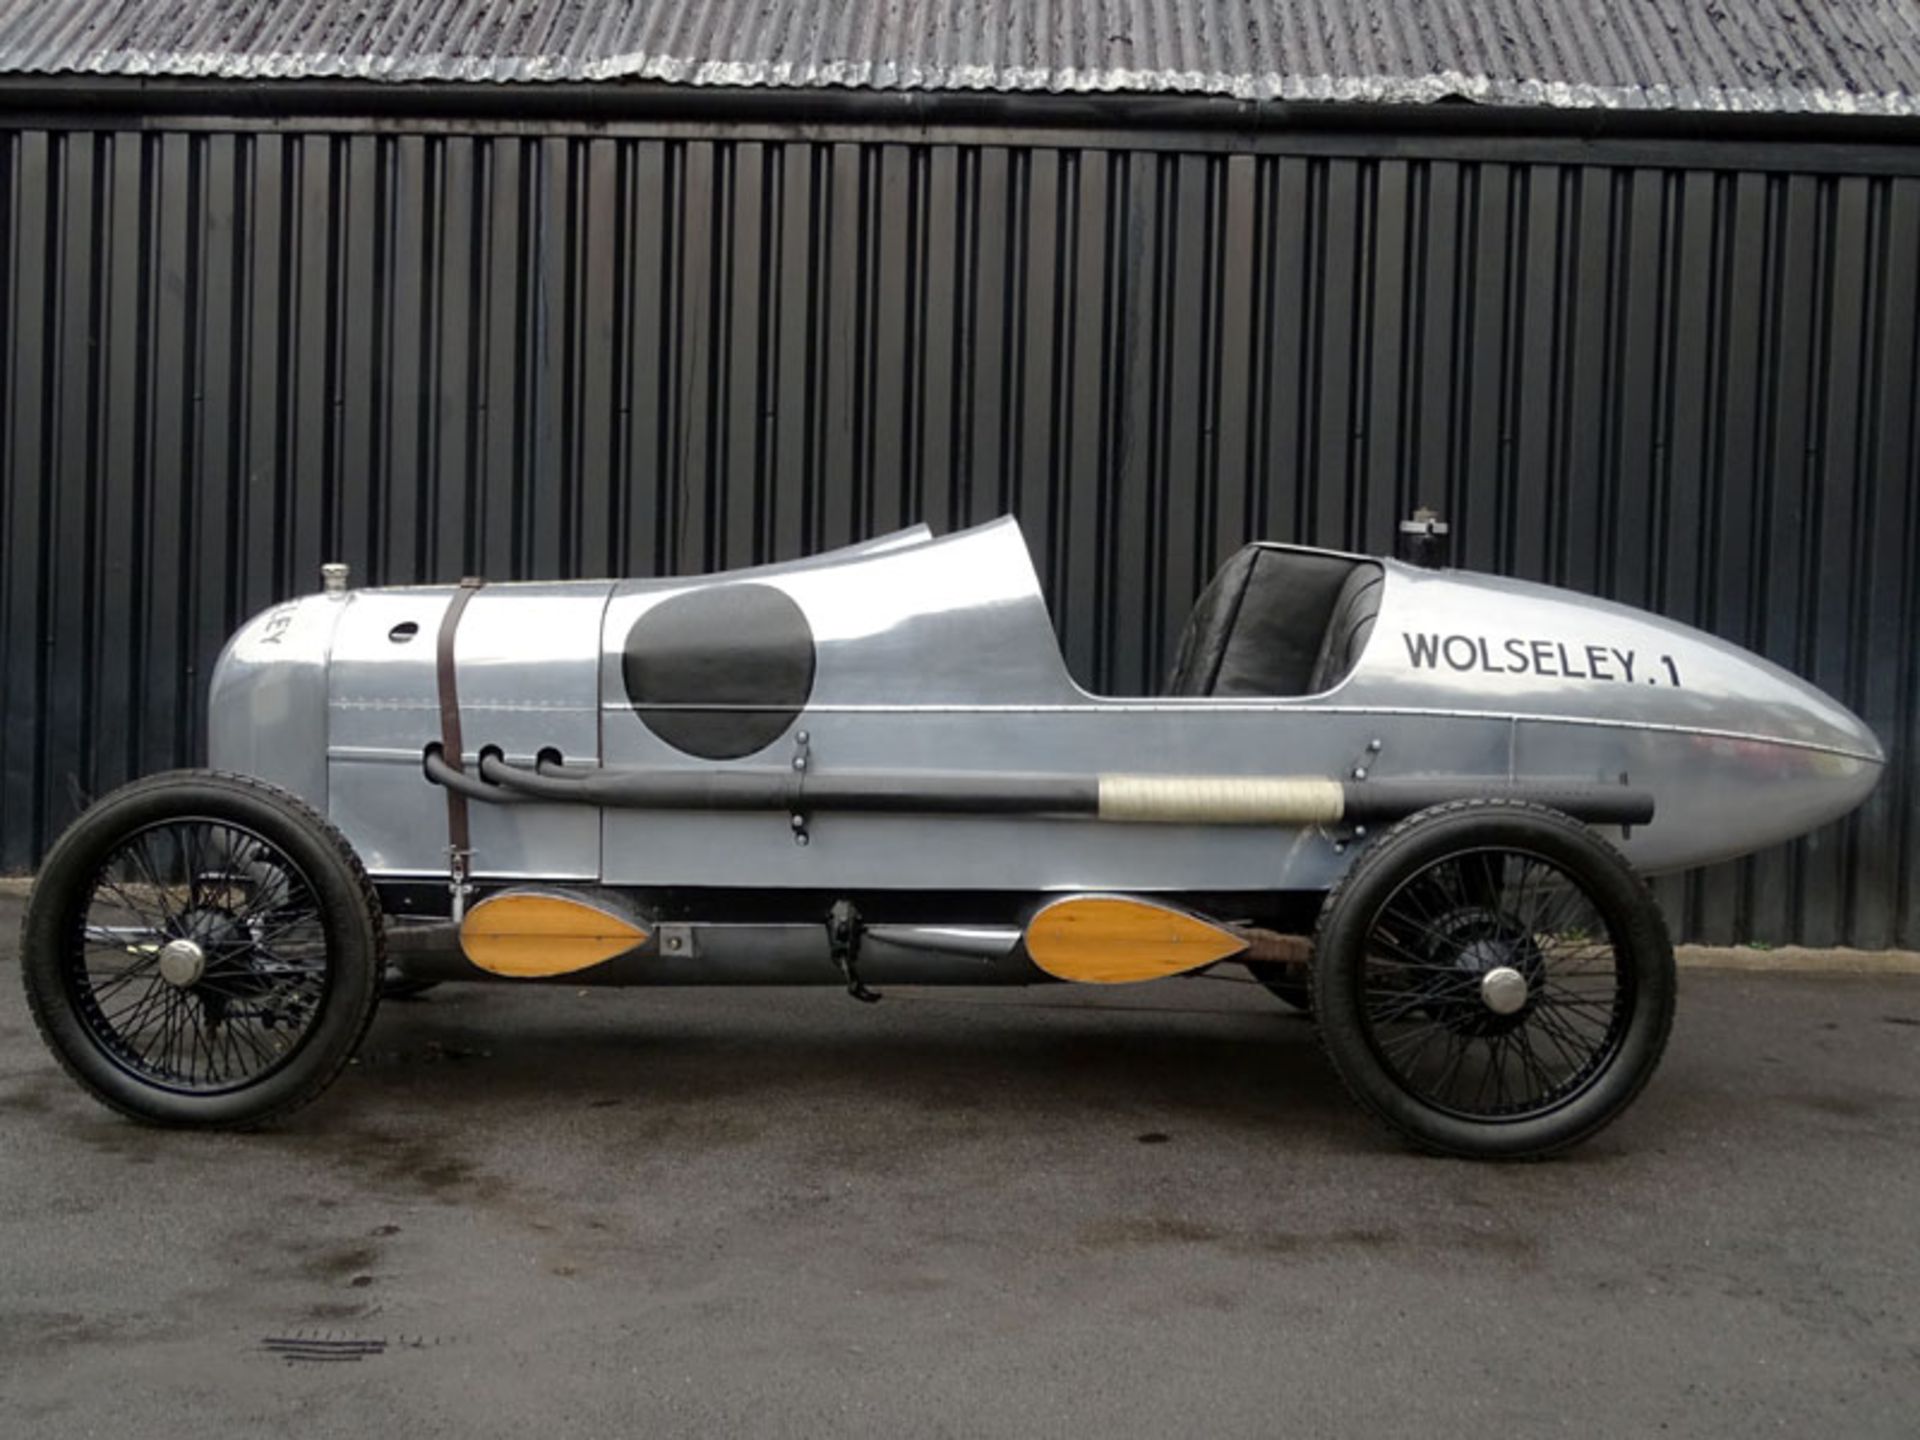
[[938, 656]]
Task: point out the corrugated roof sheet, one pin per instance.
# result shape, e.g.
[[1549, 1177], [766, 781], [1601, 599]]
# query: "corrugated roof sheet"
[[1835, 56]]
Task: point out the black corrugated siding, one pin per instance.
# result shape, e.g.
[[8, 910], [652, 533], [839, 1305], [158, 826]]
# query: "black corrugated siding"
[[229, 356]]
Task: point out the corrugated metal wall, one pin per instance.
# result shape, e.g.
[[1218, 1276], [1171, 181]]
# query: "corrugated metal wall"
[[230, 355]]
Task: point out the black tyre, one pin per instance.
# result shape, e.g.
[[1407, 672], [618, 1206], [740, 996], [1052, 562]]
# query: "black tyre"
[[1493, 980], [202, 950]]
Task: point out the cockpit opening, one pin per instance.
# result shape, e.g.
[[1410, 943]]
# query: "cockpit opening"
[[1278, 621]]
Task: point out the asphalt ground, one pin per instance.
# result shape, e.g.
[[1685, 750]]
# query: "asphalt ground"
[[1052, 1212]]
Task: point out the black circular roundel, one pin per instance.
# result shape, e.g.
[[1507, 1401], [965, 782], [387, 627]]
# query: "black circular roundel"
[[720, 672]]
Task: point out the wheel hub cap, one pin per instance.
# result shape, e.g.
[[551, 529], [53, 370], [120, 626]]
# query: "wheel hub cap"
[[1503, 989], [182, 963]]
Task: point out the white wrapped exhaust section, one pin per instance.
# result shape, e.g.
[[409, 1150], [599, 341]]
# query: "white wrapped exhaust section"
[[1222, 799]]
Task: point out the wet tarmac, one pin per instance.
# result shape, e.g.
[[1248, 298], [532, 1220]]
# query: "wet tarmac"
[[1141, 1212]]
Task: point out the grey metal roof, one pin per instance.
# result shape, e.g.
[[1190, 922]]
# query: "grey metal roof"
[[1834, 56]]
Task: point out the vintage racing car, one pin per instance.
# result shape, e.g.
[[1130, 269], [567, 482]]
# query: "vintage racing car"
[[1415, 801]]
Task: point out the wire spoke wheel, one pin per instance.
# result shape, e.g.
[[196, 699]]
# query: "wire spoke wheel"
[[1493, 980], [1491, 987], [200, 963], [202, 949]]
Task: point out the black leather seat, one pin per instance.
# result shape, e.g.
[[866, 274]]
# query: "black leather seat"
[[1277, 622], [1203, 643], [1354, 610]]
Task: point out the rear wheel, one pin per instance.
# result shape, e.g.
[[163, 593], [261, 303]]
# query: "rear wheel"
[[1492, 980], [202, 950]]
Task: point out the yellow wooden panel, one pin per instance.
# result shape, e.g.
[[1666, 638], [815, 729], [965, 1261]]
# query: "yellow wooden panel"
[[1112, 940], [528, 936]]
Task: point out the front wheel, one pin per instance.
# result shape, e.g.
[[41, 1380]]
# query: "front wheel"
[[202, 950], [1493, 980]]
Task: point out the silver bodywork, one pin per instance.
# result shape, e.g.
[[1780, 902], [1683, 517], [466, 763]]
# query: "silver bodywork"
[[939, 655]]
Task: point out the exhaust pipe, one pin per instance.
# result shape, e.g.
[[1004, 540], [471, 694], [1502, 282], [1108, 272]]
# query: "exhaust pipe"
[[1126, 799]]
